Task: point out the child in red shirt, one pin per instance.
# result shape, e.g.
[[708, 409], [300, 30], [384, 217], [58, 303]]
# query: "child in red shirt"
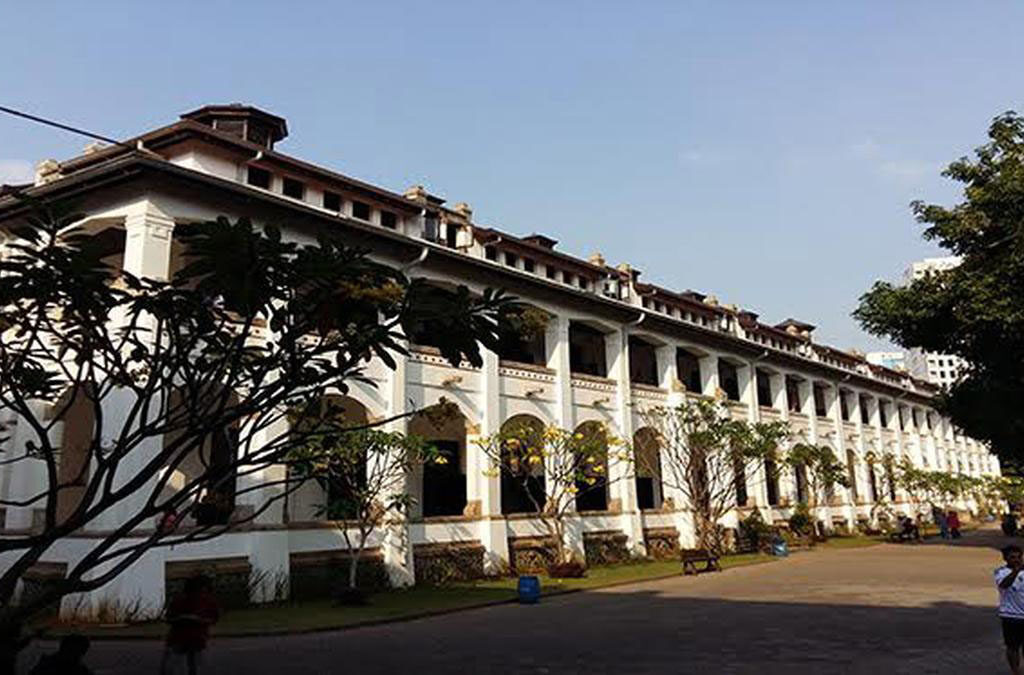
[[953, 520], [190, 614]]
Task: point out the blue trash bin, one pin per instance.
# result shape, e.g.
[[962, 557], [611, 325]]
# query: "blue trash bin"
[[529, 590]]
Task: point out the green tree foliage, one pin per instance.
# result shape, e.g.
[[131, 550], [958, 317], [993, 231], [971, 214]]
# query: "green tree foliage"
[[204, 370], [363, 476], [705, 453], [571, 464], [823, 469], [976, 310]]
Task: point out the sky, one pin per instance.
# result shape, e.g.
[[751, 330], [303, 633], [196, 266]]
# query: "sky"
[[763, 152]]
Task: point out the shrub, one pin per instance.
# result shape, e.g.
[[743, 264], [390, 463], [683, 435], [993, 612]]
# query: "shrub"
[[801, 522], [754, 532]]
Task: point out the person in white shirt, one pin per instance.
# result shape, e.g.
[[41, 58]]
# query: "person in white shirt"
[[1010, 583]]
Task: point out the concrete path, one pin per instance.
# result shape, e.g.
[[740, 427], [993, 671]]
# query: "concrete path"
[[886, 609]]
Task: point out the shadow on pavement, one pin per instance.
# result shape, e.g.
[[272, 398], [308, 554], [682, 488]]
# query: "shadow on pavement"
[[639, 631]]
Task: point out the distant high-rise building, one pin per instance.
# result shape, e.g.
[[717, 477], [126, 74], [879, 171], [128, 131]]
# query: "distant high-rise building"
[[894, 360], [940, 369], [928, 266]]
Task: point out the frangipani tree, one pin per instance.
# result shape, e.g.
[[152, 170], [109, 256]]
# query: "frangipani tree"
[[822, 468], [572, 463], [704, 453], [1010, 490], [139, 398], [363, 474], [922, 486]]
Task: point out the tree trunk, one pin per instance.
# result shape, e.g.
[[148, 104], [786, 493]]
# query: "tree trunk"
[[353, 567]]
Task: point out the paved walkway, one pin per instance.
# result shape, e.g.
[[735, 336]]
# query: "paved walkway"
[[886, 609]]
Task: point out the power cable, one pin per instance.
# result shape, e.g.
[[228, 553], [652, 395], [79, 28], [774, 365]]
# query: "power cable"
[[64, 127]]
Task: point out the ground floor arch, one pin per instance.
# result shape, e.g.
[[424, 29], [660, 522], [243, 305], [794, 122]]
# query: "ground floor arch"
[[522, 482], [592, 489], [647, 455], [439, 488]]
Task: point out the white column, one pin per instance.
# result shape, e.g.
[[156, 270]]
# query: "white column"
[[486, 489], [148, 236], [757, 483], [558, 337], [682, 518], [26, 477], [143, 582], [709, 374], [624, 487], [397, 542], [268, 541], [558, 334]]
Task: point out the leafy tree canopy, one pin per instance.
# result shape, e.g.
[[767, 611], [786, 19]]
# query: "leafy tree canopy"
[[974, 311]]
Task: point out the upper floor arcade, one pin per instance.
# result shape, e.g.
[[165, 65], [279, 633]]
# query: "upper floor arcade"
[[634, 335]]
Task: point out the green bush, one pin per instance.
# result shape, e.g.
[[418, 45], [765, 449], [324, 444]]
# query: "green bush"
[[801, 522], [754, 532]]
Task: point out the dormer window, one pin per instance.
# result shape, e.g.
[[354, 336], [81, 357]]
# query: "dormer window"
[[295, 189], [430, 227], [360, 210], [388, 220], [550, 272], [511, 259], [258, 177], [491, 254], [529, 265], [451, 235], [332, 201]]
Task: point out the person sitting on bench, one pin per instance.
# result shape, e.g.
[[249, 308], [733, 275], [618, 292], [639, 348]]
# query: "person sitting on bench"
[[909, 529]]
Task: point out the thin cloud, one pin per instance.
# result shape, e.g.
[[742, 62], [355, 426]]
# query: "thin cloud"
[[869, 148], [908, 170], [703, 156], [901, 170], [13, 171]]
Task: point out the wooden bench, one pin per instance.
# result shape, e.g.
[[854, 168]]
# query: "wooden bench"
[[691, 558], [898, 536]]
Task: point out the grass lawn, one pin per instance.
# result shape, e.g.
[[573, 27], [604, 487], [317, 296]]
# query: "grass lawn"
[[407, 603]]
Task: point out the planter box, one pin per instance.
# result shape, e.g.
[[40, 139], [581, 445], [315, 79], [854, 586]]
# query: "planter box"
[[316, 573], [605, 548], [438, 564], [230, 577], [662, 543], [531, 554]]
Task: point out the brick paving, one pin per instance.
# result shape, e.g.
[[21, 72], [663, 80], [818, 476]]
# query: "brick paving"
[[886, 609]]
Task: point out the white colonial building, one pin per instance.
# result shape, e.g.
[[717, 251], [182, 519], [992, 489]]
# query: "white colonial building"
[[613, 345]]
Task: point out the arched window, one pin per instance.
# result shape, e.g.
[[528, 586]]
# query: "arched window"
[[439, 489], [330, 495], [79, 423], [728, 380], [771, 472], [522, 481], [592, 492], [647, 452], [521, 334], [851, 468], [643, 362], [587, 350], [212, 466], [688, 371]]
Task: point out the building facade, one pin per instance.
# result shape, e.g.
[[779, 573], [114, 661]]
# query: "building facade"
[[613, 345], [890, 360], [940, 369]]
